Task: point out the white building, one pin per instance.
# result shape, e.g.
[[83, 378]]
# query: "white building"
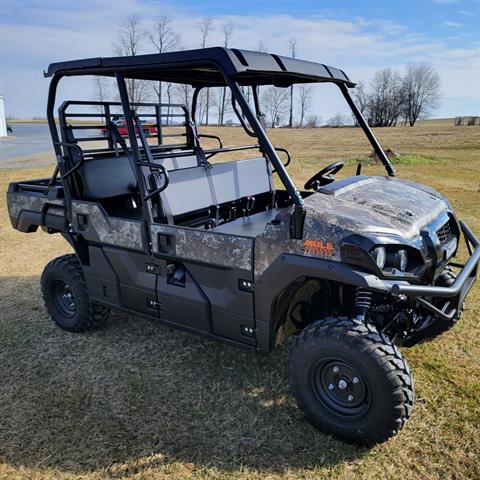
[[3, 120]]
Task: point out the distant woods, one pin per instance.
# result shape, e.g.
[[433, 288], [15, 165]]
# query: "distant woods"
[[389, 99]]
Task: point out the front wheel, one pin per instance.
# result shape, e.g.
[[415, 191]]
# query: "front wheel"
[[350, 381]]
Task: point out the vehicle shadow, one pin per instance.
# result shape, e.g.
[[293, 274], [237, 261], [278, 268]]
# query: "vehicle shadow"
[[135, 395]]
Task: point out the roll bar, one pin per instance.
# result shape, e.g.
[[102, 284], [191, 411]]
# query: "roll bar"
[[254, 129]]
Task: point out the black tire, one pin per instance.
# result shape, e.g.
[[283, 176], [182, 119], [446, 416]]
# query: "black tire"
[[373, 370], [437, 326], [66, 296]]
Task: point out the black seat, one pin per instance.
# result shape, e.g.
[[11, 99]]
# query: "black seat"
[[107, 177], [104, 177]]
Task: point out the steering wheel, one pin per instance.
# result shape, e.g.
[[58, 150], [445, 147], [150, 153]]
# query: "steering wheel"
[[324, 176]]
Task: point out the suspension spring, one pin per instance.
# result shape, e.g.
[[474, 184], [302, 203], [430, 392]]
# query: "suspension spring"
[[363, 302]]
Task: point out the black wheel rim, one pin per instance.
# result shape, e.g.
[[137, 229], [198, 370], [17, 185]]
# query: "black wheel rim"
[[63, 298], [341, 388]]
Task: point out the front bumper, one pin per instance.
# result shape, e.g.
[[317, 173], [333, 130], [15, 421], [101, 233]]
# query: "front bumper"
[[456, 293]]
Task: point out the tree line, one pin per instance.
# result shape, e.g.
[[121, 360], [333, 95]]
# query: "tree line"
[[392, 98], [214, 106], [389, 98]]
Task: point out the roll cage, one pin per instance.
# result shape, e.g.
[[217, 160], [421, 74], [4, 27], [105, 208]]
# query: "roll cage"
[[203, 68]]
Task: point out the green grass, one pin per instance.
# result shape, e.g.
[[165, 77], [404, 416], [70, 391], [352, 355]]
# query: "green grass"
[[402, 159], [137, 400]]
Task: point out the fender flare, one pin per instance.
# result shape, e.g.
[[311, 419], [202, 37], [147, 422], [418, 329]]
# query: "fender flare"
[[288, 268]]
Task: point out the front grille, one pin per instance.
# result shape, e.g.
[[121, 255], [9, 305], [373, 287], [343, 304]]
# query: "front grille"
[[444, 233]]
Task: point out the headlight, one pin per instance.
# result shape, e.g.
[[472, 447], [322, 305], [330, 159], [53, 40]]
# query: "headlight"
[[388, 260], [397, 259], [380, 256]]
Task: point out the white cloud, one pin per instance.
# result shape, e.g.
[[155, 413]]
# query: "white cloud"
[[359, 46], [450, 23], [466, 13]]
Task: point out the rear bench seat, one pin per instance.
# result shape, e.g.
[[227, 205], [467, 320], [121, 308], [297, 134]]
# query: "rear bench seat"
[[191, 188], [113, 176], [110, 177]]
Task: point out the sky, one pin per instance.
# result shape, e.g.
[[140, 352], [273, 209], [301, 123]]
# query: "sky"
[[358, 36]]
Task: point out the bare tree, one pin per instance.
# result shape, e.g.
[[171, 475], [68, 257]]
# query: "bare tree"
[[164, 39], [205, 26], [338, 120], [202, 104], [101, 90], [184, 92], [421, 85], [361, 97], [169, 95], [386, 100], [313, 121], [304, 101], [275, 101], [227, 30], [292, 46], [129, 43], [261, 47]]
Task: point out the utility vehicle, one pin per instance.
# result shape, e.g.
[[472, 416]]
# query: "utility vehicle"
[[121, 125], [170, 229]]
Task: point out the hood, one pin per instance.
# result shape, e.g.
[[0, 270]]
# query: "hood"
[[376, 205]]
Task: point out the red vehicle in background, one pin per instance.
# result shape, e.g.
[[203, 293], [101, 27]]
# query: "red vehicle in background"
[[122, 128]]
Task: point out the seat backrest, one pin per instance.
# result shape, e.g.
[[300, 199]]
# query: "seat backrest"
[[188, 190], [176, 163], [107, 177], [191, 189], [242, 178]]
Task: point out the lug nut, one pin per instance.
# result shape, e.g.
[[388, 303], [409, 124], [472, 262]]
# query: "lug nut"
[[355, 380], [342, 384], [331, 387], [350, 398], [335, 369]]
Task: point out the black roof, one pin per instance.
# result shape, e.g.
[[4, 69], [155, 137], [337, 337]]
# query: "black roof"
[[204, 67]]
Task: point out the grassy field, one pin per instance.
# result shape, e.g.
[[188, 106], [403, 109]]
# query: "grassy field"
[[137, 400]]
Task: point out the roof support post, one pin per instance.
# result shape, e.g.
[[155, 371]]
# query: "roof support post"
[[60, 167], [368, 131], [136, 157]]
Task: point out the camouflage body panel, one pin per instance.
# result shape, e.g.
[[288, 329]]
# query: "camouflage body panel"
[[276, 241], [119, 232], [19, 201], [384, 205], [206, 246], [357, 205]]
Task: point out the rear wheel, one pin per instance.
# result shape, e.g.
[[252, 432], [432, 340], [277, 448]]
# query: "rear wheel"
[[66, 296], [350, 381]]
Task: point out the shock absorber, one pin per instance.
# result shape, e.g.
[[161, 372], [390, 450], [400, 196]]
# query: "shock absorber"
[[363, 302]]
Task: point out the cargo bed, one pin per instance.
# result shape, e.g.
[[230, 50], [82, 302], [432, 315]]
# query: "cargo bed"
[[36, 203]]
